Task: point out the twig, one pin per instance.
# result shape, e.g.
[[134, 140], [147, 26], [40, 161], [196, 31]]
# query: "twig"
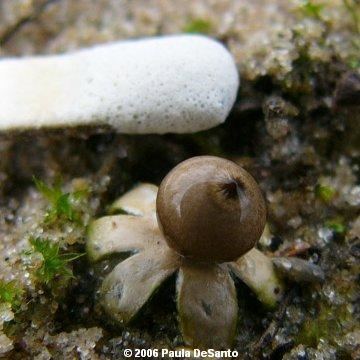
[[274, 326], [13, 29]]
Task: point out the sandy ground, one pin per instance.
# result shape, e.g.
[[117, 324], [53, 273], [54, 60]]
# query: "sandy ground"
[[291, 128]]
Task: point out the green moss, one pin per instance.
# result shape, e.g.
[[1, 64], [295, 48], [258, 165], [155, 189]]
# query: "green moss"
[[12, 293], [310, 9], [201, 26], [354, 10], [55, 264], [354, 63], [336, 225], [62, 205], [327, 324], [324, 192]]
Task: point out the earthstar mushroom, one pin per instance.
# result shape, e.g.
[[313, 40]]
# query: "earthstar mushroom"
[[203, 221]]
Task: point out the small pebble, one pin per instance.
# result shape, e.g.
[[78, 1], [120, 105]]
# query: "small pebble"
[[299, 270]]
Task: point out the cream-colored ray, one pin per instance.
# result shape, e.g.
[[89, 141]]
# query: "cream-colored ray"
[[130, 285], [257, 271], [141, 200], [207, 306], [121, 233]]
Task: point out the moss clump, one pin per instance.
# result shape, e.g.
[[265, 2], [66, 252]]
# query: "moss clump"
[[12, 293], [324, 192], [201, 26], [55, 264], [311, 9], [336, 225], [328, 324], [63, 205]]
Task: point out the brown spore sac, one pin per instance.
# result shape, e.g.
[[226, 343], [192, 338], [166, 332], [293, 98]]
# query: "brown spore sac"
[[210, 209]]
